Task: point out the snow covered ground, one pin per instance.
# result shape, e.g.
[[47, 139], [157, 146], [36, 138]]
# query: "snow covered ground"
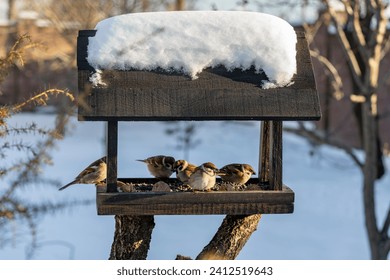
[[327, 222]]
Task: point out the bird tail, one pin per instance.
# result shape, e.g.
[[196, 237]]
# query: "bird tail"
[[67, 185]]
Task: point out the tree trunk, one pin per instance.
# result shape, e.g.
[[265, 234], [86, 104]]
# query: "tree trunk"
[[132, 237], [357, 109], [180, 4], [230, 238], [370, 174]]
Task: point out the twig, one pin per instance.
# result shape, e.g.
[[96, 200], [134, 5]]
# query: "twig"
[[337, 81], [315, 137], [43, 97]]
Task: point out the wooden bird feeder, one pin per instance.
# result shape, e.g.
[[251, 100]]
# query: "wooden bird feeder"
[[217, 94]]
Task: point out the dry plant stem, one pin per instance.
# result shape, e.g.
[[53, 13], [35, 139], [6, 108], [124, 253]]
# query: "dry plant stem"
[[41, 98], [230, 238], [132, 237]]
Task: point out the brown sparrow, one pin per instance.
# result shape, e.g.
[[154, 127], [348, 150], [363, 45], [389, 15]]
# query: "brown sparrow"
[[204, 177], [159, 166], [183, 170], [93, 174], [236, 173]]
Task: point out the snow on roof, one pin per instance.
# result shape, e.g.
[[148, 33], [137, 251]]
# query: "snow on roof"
[[190, 41]]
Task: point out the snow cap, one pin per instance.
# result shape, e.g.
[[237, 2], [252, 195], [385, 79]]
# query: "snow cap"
[[190, 41]]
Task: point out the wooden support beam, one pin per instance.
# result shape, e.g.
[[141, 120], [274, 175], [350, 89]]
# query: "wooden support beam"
[[264, 160], [276, 156], [112, 155]]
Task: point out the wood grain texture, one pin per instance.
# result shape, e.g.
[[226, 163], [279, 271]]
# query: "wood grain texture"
[[197, 209], [265, 154], [132, 237], [276, 156], [112, 155], [216, 95], [230, 238], [196, 203], [82, 50]]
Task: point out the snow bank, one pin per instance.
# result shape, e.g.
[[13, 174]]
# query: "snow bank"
[[190, 41]]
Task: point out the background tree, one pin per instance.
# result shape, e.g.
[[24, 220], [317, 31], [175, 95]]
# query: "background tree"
[[361, 27], [185, 133], [20, 169]]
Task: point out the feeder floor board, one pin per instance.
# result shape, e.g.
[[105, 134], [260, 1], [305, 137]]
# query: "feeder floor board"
[[240, 202]]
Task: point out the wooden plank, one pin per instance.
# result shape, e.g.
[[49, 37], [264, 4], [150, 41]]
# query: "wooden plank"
[[197, 209], [276, 156], [221, 197], [264, 157], [112, 155], [216, 95], [196, 203], [82, 54]]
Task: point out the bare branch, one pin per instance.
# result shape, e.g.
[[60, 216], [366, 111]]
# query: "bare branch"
[[351, 58], [387, 246], [312, 29], [43, 97], [16, 55], [337, 82], [386, 48], [386, 224], [230, 237], [320, 140], [377, 42], [357, 29], [380, 30]]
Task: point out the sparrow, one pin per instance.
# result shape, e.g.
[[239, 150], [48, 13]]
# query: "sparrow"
[[204, 177], [93, 174], [236, 173], [159, 166], [183, 170]]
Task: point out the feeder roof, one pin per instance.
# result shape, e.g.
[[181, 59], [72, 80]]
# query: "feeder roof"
[[191, 41]]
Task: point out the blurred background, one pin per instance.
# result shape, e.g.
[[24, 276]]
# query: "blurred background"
[[347, 150]]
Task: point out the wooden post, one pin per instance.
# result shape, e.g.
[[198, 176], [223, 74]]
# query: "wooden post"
[[276, 156], [270, 162], [112, 156], [132, 233], [264, 152]]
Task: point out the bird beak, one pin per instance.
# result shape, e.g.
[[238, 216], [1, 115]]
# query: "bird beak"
[[220, 172]]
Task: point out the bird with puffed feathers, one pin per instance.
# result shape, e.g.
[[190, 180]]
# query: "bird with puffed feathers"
[[159, 166], [204, 177], [237, 173], [183, 170]]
